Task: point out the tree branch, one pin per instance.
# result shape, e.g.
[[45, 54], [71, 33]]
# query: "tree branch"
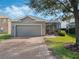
[[65, 6]]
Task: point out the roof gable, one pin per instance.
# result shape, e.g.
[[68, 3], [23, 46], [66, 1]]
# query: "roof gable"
[[27, 20], [32, 18]]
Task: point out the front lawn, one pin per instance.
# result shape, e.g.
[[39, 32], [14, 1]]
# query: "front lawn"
[[4, 37], [56, 45]]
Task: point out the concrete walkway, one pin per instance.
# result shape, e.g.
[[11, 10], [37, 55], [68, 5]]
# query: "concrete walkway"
[[31, 48]]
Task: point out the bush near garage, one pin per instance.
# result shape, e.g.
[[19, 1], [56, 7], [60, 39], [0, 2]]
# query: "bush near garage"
[[61, 33]]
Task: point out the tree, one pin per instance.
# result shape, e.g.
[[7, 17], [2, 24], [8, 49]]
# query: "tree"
[[69, 8], [74, 4]]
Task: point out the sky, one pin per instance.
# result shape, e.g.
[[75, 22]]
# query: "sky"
[[16, 9]]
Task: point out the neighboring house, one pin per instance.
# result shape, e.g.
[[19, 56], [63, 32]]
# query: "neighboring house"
[[68, 24], [29, 26], [71, 28], [4, 24], [71, 25]]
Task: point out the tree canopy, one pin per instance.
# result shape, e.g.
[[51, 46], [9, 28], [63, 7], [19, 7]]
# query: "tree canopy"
[[53, 7]]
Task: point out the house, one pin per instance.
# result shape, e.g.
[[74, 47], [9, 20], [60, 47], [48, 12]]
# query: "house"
[[29, 26], [53, 26], [71, 25], [68, 23], [4, 24]]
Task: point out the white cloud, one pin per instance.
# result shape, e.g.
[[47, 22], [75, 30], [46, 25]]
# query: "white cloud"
[[16, 12]]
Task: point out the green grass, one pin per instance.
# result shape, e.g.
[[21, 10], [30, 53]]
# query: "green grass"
[[4, 36], [57, 47], [63, 39]]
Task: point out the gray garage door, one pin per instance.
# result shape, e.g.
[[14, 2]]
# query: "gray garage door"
[[28, 30]]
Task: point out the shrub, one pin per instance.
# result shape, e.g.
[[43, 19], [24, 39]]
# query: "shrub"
[[61, 33], [5, 36]]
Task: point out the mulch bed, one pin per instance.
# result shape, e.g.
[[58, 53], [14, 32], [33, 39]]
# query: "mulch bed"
[[72, 47]]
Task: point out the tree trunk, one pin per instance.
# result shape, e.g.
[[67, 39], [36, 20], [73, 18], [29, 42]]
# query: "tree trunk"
[[74, 4], [77, 27]]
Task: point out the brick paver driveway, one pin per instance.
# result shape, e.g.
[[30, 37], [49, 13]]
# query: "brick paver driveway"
[[30, 48]]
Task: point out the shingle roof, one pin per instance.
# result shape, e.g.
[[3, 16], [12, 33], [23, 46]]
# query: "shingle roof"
[[36, 19]]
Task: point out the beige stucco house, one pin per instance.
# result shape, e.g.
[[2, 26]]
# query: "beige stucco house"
[[28, 26], [31, 26], [4, 24]]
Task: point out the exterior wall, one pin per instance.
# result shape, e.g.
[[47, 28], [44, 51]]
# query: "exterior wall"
[[58, 26], [52, 27], [9, 27], [25, 22], [4, 24]]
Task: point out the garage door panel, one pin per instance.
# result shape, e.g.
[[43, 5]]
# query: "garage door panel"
[[28, 30]]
